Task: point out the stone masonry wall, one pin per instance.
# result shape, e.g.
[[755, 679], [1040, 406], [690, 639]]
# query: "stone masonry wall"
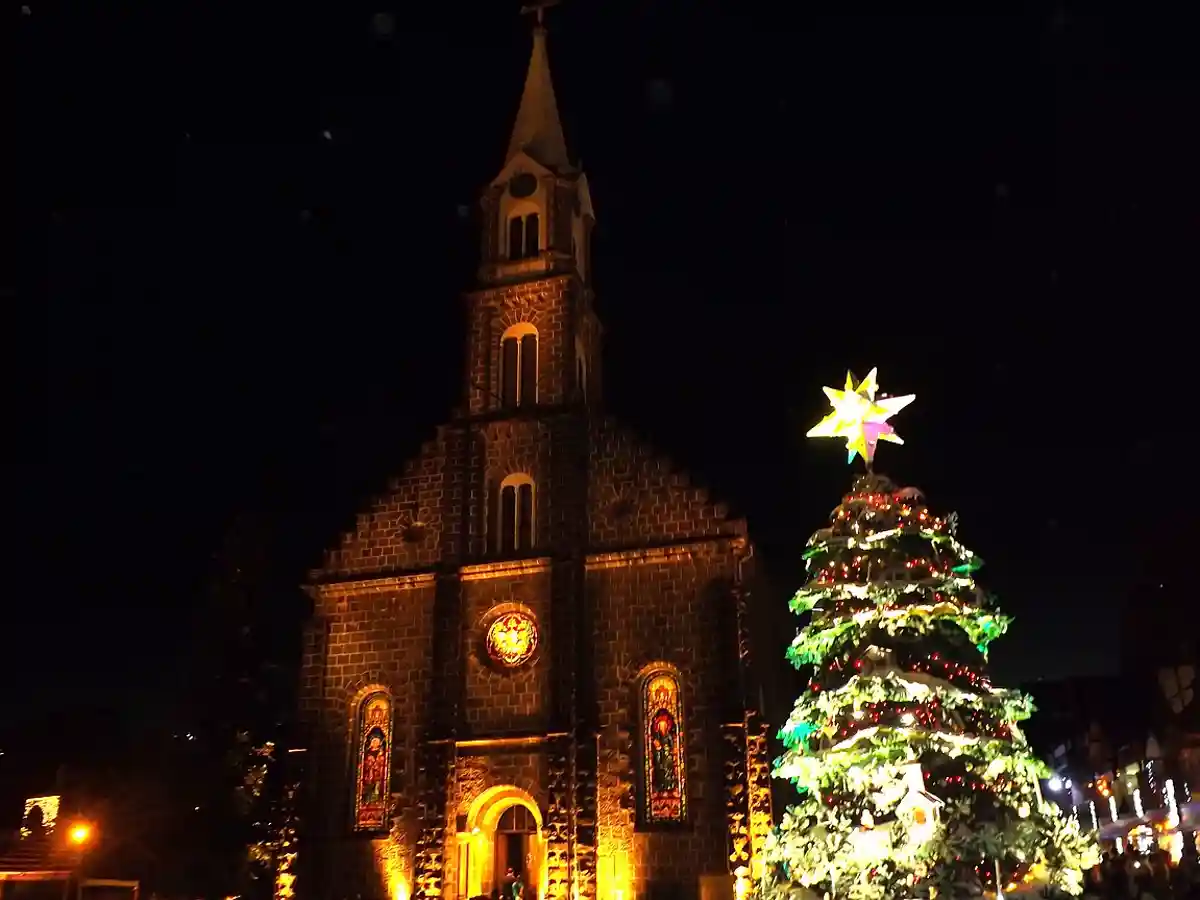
[[638, 497], [500, 702], [674, 611], [515, 446], [546, 305], [402, 528], [355, 644]]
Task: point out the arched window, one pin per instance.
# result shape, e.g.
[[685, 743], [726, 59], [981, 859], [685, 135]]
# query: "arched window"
[[664, 758], [519, 365], [524, 236], [515, 530], [373, 762]]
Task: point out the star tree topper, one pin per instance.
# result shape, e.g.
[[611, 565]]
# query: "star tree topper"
[[860, 418]]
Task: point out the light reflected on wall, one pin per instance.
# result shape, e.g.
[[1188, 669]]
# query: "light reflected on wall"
[[47, 806], [613, 874], [389, 862], [285, 878]]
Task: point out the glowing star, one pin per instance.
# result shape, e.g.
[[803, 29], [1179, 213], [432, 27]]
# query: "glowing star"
[[860, 418]]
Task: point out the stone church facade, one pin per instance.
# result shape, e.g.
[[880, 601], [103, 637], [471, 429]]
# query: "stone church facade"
[[531, 653]]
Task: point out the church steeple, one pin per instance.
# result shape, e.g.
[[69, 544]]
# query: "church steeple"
[[534, 336], [537, 210], [538, 130]]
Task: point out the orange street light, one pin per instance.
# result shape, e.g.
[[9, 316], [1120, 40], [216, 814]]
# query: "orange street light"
[[80, 833]]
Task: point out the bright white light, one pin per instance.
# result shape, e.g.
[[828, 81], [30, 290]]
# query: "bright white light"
[[1055, 784], [1067, 784]]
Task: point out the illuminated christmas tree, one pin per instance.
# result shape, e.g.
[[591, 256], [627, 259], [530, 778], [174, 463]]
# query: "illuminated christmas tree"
[[914, 777]]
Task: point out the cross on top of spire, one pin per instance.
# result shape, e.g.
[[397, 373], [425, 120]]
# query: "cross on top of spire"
[[538, 8], [537, 130]]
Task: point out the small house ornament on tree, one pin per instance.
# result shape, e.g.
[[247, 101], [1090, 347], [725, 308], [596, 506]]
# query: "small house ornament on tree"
[[918, 809]]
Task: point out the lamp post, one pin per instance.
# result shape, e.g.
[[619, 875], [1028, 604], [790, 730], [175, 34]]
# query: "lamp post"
[[80, 835]]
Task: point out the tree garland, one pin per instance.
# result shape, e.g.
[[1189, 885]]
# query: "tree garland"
[[897, 649]]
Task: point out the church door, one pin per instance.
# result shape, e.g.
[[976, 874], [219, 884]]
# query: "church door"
[[517, 848]]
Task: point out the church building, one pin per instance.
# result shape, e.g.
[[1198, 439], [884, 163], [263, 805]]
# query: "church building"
[[530, 658]]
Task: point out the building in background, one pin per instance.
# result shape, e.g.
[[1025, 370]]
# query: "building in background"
[[1086, 724], [51, 856], [1125, 750], [531, 653]]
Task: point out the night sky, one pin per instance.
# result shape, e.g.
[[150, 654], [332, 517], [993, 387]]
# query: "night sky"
[[254, 222]]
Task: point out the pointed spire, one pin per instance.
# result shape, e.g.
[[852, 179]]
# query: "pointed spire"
[[538, 130]]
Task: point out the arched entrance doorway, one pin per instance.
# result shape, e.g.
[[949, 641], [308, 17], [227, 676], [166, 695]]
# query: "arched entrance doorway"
[[514, 842], [504, 831]]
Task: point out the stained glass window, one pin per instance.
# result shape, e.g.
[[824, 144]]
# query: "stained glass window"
[[664, 762], [373, 769], [512, 639]]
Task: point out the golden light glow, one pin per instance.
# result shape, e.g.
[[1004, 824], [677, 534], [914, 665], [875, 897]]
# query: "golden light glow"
[[512, 639], [49, 807], [741, 884], [285, 879], [80, 833], [859, 417], [479, 842], [391, 865], [613, 875]]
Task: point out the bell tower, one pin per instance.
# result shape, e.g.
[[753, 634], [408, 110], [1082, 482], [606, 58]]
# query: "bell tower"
[[534, 337]]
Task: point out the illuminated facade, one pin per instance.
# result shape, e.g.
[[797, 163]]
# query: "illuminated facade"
[[531, 652], [41, 813]]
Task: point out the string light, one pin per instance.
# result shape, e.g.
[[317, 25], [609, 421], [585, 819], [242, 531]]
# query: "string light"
[[892, 596]]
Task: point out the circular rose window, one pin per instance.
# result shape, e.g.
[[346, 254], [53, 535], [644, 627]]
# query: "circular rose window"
[[512, 638]]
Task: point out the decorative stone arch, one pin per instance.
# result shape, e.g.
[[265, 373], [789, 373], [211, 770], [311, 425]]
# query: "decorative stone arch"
[[529, 313], [357, 690], [517, 478], [660, 705], [639, 674], [354, 692], [486, 809], [519, 330], [478, 862]]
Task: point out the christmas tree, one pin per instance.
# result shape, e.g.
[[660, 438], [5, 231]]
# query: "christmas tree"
[[913, 774]]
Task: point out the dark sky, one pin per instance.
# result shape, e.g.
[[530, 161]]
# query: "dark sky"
[[253, 223]]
